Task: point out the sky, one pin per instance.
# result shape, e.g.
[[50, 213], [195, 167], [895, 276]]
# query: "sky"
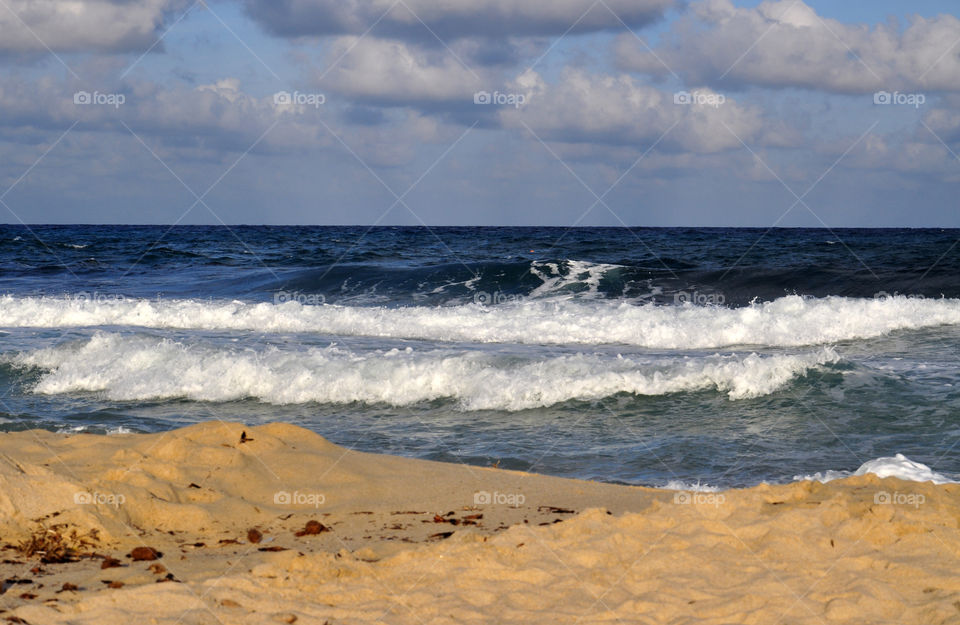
[[484, 112]]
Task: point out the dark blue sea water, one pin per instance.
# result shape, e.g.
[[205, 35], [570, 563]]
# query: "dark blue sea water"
[[648, 356]]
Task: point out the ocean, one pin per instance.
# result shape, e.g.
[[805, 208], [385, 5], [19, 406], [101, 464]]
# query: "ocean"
[[683, 358]]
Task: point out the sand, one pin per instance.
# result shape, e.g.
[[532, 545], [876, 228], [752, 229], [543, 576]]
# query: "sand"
[[405, 541]]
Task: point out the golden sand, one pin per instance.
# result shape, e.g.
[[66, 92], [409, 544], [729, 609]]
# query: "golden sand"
[[405, 541]]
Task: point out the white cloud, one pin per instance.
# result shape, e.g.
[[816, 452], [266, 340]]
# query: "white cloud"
[[393, 72], [82, 25], [452, 18], [218, 116], [944, 120], [210, 122], [786, 44], [616, 110]]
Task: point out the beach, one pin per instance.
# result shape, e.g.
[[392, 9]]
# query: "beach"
[[436, 312], [216, 509]]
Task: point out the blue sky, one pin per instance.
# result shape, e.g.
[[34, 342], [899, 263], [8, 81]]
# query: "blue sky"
[[636, 112]]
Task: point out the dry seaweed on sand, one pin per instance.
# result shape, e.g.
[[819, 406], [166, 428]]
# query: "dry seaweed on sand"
[[58, 543]]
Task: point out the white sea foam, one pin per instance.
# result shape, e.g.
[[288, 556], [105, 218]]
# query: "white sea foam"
[[79, 429], [124, 367], [787, 321], [697, 487], [584, 276], [72, 429], [896, 466]]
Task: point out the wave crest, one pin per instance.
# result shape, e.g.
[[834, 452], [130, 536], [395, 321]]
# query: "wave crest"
[[786, 322], [128, 368]]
